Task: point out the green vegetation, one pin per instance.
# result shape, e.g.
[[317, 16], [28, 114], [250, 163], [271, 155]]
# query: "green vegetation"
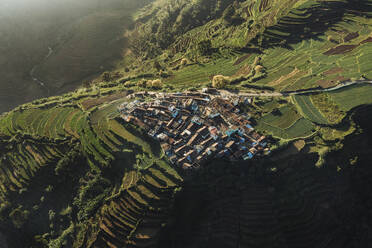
[[352, 97], [86, 166], [69, 164], [285, 123], [308, 110]]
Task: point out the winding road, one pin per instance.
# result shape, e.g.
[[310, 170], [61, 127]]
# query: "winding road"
[[278, 94]]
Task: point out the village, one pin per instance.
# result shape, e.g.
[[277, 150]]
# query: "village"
[[194, 127]]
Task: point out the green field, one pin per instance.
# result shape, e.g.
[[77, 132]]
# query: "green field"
[[353, 96], [296, 128], [287, 117], [199, 75], [309, 111]]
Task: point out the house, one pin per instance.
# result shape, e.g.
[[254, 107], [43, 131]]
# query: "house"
[[181, 150], [185, 133], [193, 139], [196, 119], [206, 142], [186, 166], [162, 136], [230, 144], [165, 146], [181, 161], [178, 143]]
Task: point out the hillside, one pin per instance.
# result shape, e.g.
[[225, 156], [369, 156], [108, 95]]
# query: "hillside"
[[73, 173]]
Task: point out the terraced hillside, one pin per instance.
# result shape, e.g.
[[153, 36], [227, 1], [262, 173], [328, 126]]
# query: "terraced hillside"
[[86, 178], [299, 44], [73, 174]]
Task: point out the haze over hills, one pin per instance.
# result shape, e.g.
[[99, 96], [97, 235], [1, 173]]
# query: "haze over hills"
[[50, 47], [203, 123]]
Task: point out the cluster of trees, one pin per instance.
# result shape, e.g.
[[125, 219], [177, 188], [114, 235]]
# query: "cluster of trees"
[[155, 84]]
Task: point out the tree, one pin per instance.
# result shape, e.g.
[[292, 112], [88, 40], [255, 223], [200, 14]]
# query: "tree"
[[220, 81], [157, 65], [106, 76], [157, 84], [205, 47]]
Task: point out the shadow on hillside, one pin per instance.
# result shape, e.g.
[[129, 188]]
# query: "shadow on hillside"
[[310, 23]]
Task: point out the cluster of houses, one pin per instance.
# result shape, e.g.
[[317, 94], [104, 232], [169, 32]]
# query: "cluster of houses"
[[193, 127]]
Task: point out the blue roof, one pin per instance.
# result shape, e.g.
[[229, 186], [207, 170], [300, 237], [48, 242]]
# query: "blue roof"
[[175, 113], [231, 131], [248, 126], [250, 155]]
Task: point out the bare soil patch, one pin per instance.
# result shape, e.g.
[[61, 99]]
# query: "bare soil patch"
[[241, 59], [330, 82], [90, 103], [333, 71], [369, 39], [284, 77], [351, 36], [340, 49], [244, 70]]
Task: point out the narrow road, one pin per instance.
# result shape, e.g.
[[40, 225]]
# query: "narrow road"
[[278, 94]]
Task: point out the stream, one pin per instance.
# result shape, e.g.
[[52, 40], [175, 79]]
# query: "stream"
[[32, 72]]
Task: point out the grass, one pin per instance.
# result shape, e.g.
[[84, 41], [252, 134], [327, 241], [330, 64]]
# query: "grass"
[[353, 96], [308, 110], [301, 128], [287, 117], [201, 74], [120, 130]]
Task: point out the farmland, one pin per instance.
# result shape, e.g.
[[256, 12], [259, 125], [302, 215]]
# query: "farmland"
[[346, 99], [74, 174], [308, 110], [60, 135], [288, 124]]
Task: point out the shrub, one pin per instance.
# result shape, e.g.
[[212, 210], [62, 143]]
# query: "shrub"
[[106, 76], [129, 84], [259, 69], [158, 84], [142, 83], [257, 61], [184, 61], [157, 65], [220, 81]]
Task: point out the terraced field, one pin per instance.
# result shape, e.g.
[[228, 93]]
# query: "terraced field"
[[308, 110], [347, 99], [287, 124], [298, 54], [140, 187], [201, 74]]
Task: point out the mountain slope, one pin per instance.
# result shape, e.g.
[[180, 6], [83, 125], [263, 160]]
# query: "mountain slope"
[[72, 174], [50, 47]]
